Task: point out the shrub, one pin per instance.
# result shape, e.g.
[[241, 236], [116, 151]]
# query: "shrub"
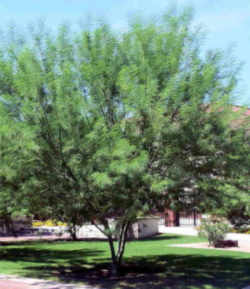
[[214, 231], [241, 230], [48, 223]]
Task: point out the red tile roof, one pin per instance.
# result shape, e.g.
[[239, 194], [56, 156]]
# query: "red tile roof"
[[237, 108]]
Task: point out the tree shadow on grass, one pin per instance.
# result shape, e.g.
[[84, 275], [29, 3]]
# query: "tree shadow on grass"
[[182, 271], [170, 271], [150, 272], [39, 255], [160, 237], [154, 272]]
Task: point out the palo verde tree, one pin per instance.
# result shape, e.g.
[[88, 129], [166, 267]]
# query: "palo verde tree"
[[125, 123]]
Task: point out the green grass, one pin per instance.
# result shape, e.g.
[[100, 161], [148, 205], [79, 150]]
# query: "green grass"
[[149, 263]]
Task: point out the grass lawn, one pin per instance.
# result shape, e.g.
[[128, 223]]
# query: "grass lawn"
[[149, 264]]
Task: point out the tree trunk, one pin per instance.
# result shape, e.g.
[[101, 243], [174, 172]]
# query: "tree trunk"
[[115, 267], [9, 224], [122, 241], [116, 257], [72, 231], [195, 218], [73, 236]]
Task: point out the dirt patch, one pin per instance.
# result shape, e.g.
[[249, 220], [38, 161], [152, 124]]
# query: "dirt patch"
[[243, 246]]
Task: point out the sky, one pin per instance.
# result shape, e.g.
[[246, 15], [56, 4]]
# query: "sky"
[[227, 22]]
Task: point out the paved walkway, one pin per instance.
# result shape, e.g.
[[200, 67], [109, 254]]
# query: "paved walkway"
[[12, 282], [8, 284], [191, 231], [32, 238], [243, 247]]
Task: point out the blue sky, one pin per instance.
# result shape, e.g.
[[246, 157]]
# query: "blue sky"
[[226, 21]]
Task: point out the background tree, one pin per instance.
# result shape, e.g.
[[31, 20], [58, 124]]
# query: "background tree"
[[15, 145]]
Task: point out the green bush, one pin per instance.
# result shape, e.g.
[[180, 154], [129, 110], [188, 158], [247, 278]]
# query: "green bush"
[[213, 231]]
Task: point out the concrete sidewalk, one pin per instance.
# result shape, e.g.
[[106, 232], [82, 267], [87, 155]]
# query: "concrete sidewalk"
[[191, 231], [13, 282]]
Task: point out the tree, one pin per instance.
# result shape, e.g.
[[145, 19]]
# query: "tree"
[[126, 123], [15, 145]]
